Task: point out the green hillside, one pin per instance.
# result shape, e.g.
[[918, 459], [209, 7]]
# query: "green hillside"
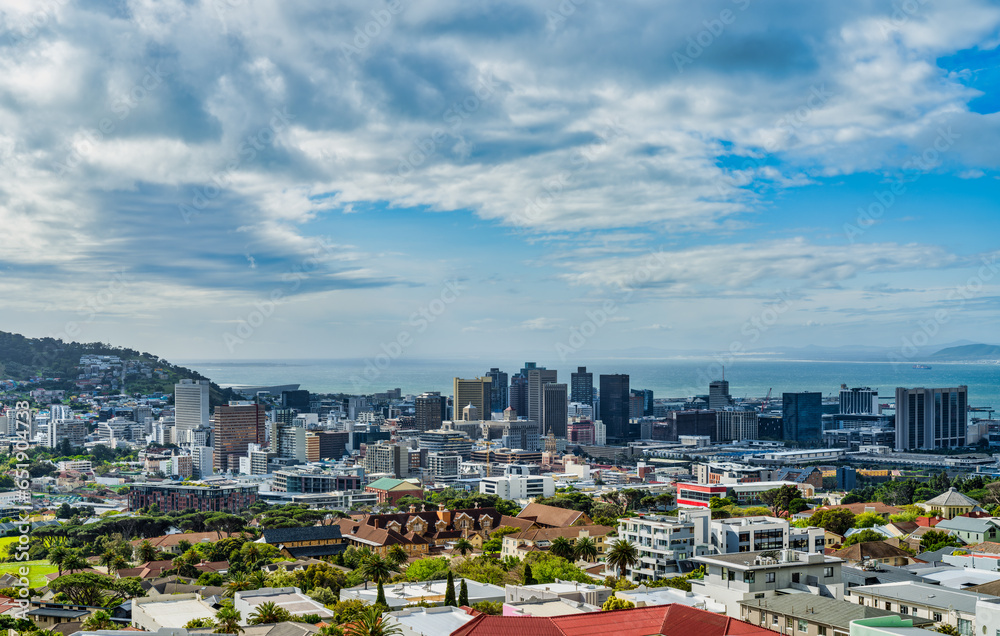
[[22, 358]]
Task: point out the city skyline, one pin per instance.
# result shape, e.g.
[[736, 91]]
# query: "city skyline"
[[262, 181]]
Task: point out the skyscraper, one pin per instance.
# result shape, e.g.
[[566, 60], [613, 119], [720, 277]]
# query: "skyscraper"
[[537, 378], [190, 406], [237, 425], [931, 418], [498, 391], [475, 392], [802, 417], [428, 411], [718, 395], [554, 409], [614, 407], [582, 386], [518, 395]]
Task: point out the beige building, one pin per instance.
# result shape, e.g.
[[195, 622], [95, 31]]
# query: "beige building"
[[519, 544], [795, 615], [950, 504], [475, 392]]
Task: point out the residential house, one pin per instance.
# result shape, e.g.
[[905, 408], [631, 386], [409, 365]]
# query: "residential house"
[[553, 517], [972, 530], [559, 590], [519, 544], [950, 504], [796, 615], [877, 507], [178, 542], [922, 600], [874, 552], [731, 578], [151, 613], [668, 620], [290, 599], [420, 621], [399, 595], [434, 528]]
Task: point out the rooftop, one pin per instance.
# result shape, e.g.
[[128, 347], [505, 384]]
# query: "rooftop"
[[176, 613], [951, 497], [924, 594], [749, 560], [822, 609]]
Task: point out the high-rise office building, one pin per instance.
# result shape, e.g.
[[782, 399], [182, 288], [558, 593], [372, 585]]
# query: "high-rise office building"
[[498, 391], [614, 409], [518, 394], [237, 425], [582, 386], [718, 395], [387, 458], [537, 378], [190, 406], [428, 411], [297, 400], [520, 434], [475, 392], [555, 415], [736, 425], [802, 417], [931, 418], [858, 401]]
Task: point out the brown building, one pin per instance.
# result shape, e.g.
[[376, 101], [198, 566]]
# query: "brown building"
[[553, 517], [168, 498], [237, 425]]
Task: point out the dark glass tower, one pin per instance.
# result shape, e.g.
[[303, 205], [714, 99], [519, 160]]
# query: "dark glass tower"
[[614, 409]]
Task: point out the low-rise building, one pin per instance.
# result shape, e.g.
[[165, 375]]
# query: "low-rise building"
[[152, 613], [517, 545], [518, 487], [661, 542], [564, 590], [811, 616], [874, 552], [311, 541], [971, 529], [732, 578], [398, 595], [951, 503], [756, 534], [389, 491], [427, 621], [922, 600], [290, 599], [231, 498]]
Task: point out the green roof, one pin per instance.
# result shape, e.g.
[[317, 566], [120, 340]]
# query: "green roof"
[[387, 483]]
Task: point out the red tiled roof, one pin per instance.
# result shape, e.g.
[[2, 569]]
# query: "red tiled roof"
[[670, 620]]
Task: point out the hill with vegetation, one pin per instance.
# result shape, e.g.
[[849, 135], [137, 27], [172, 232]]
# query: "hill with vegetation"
[[56, 364], [968, 353]]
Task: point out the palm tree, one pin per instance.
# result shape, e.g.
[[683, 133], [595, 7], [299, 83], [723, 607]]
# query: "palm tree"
[[107, 559], [117, 563], [268, 612], [561, 547], [57, 556], [227, 620], [398, 555], [376, 569], [238, 583], [463, 547], [585, 549], [622, 555], [145, 552], [371, 623], [73, 562], [98, 620]]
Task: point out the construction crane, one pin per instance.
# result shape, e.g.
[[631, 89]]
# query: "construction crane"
[[767, 401]]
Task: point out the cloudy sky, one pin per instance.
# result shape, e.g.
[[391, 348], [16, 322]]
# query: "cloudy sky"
[[260, 179]]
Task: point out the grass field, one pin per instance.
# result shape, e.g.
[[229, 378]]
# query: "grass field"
[[38, 571]]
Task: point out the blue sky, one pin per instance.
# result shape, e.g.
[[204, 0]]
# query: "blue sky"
[[254, 179]]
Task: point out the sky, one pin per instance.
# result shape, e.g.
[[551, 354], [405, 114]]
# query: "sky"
[[252, 179]]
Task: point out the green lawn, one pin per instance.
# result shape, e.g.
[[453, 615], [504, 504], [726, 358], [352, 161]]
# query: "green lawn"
[[38, 570]]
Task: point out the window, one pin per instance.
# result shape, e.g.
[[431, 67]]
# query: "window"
[[795, 577], [888, 606], [788, 622], [732, 575], [827, 572], [748, 577], [964, 627], [774, 620], [769, 577], [803, 625], [937, 617], [861, 600], [904, 609], [821, 630]]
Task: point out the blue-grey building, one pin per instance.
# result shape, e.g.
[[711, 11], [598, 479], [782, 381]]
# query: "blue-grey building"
[[802, 417]]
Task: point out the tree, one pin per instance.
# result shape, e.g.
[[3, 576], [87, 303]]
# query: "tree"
[[227, 620], [370, 622], [145, 552], [490, 608], [463, 547], [561, 547], [797, 505], [74, 562], [268, 612], [380, 597], [622, 555], [945, 628], [779, 499], [376, 569], [837, 520], [616, 603], [868, 520], [324, 595], [528, 579], [864, 536], [57, 556], [98, 620], [199, 623], [936, 539], [64, 512], [585, 549], [719, 502], [83, 588], [463, 595], [398, 555], [449, 591]]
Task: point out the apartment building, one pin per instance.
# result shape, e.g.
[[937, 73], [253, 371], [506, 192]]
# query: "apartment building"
[[756, 534], [662, 541], [923, 600]]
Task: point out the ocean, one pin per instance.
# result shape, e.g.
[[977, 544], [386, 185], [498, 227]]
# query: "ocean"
[[666, 378]]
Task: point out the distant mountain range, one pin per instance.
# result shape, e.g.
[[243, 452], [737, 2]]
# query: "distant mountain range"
[[968, 353]]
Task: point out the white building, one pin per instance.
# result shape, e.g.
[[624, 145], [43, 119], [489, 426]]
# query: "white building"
[[430, 621], [201, 460], [518, 487], [443, 467], [756, 534], [288, 598], [600, 433], [398, 595], [190, 405], [663, 541], [152, 613], [958, 608]]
